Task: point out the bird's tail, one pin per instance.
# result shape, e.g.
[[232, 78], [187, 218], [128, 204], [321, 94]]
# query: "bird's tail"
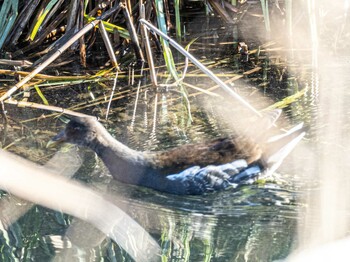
[[279, 147]]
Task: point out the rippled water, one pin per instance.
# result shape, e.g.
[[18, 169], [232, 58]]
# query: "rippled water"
[[254, 223]]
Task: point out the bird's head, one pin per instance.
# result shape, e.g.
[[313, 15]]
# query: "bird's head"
[[79, 130]]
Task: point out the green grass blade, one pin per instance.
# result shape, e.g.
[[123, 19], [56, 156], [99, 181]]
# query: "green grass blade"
[[5, 8], [86, 2], [41, 18], [111, 27], [8, 7], [287, 100], [177, 20], [41, 95], [168, 56]]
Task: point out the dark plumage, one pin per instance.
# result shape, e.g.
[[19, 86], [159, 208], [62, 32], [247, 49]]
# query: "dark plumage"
[[158, 170]]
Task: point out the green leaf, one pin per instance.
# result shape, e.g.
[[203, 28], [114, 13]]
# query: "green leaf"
[[41, 95], [41, 18]]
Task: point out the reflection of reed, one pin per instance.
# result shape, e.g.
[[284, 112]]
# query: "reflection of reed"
[[229, 233], [40, 185]]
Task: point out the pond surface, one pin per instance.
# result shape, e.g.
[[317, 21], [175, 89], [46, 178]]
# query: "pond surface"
[[256, 222]]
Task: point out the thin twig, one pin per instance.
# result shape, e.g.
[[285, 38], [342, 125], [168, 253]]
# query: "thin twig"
[[112, 94], [136, 101], [45, 107], [86, 28], [202, 67], [5, 119], [132, 32], [144, 34], [108, 45]]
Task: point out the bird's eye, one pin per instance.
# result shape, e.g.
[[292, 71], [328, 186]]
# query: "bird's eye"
[[77, 128]]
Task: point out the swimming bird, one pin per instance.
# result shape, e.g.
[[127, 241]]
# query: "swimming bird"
[[189, 169]]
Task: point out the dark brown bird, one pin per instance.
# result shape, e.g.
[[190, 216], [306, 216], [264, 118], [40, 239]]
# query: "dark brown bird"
[[158, 170]]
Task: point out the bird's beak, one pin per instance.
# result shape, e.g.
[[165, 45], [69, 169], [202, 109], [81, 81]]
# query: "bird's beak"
[[58, 139]]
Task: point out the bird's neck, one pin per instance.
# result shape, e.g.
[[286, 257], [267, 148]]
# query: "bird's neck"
[[124, 163], [105, 143]]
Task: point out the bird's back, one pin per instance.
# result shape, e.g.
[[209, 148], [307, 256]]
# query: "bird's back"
[[216, 152]]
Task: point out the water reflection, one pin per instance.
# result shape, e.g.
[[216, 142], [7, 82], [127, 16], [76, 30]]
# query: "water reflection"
[[254, 223], [234, 225]]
